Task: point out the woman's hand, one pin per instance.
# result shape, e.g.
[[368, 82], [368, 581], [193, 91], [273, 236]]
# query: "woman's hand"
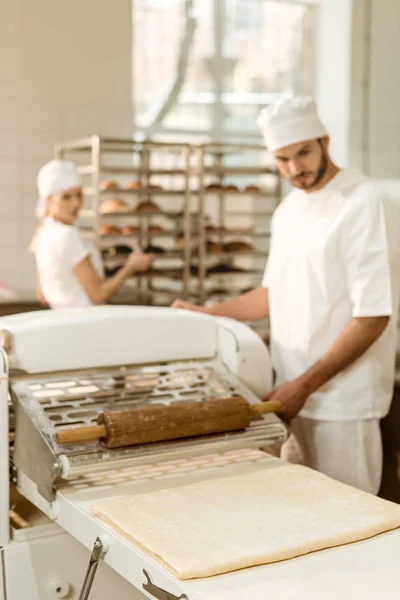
[[139, 262]]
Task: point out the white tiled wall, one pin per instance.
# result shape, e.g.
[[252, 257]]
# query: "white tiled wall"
[[384, 105], [65, 72], [375, 88], [332, 82]]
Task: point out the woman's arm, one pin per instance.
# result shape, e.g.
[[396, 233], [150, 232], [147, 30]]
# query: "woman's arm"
[[39, 291], [100, 291]]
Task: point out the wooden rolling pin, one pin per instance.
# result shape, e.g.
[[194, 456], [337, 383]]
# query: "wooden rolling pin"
[[158, 423]]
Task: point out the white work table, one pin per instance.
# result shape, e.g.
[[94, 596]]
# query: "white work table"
[[364, 570]]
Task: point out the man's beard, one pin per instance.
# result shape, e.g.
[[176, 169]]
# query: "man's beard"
[[323, 166]]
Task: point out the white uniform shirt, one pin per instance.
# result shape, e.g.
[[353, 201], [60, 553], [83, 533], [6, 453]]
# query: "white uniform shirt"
[[59, 248], [334, 256]]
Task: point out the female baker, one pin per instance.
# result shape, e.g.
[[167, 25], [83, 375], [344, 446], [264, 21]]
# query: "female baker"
[[69, 268]]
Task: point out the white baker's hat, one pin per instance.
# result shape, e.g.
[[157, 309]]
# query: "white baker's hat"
[[290, 120], [55, 176]]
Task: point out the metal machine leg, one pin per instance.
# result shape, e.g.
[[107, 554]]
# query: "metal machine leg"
[[99, 549]]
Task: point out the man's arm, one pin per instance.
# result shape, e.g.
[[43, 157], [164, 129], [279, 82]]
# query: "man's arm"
[[252, 306], [353, 341]]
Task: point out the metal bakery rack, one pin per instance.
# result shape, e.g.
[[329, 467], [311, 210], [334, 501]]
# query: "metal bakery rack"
[[239, 190], [204, 209]]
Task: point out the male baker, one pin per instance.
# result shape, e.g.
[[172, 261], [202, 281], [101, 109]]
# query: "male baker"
[[331, 292]]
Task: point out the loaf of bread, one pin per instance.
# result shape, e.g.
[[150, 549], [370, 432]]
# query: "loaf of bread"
[[214, 247], [117, 250], [252, 189], [107, 229], [212, 228], [156, 229], [114, 205], [231, 188], [220, 268], [154, 249], [213, 187], [134, 185], [238, 247], [148, 207], [240, 229], [108, 184], [225, 268], [129, 230], [211, 248]]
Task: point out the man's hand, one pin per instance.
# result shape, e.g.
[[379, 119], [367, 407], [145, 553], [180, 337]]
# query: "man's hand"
[[292, 395], [188, 306]]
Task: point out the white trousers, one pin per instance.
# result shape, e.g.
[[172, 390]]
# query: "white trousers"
[[349, 451]]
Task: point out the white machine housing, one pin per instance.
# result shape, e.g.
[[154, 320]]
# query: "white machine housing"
[[63, 341], [49, 559]]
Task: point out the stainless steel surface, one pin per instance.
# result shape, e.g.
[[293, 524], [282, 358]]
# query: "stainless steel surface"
[[72, 399], [33, 453]]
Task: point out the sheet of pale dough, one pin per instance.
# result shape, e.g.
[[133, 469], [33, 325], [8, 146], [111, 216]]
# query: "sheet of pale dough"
[[222, 525]]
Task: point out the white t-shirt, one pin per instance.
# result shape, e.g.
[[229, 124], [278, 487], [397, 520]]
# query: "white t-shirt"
[[59, 248], [335, 255]]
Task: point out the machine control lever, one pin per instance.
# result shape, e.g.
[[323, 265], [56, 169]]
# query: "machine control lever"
[[158, 592]]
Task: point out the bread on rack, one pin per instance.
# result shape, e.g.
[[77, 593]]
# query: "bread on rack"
[[213, 187], [134, 185], [212, 228], [154, 249], [238, 247], [231, 188], [108, 184], [130, 230], [119, 250], [214, 247], [211, 248], [114, 205], [148, 207], [252, 189], [172, 273], [156, 229], [240, 229], [107, 229], [223, 267], [155, 187], [180, 242]]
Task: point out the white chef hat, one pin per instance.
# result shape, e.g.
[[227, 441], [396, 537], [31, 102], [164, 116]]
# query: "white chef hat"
[[290, 120], [55, 176]]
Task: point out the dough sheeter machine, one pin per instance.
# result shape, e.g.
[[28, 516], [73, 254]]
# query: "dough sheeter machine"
[[61, 369]]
